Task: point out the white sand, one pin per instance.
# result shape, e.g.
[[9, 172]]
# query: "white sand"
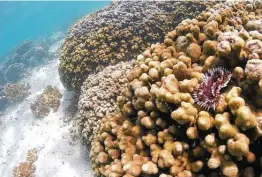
[[20, 131]]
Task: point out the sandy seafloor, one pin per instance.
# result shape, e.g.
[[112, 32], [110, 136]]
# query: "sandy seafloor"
[[58, 154], [20, 131]]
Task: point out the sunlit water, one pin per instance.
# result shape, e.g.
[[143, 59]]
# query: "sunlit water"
[[32, 20]]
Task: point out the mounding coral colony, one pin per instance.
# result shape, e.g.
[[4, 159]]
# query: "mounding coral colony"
[[99, 92], [100, 89], [192, 105], [116, 33], [48, 100], [14, 92]]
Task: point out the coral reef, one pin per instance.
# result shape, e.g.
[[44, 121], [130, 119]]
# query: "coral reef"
[[46, 101], [14, 72], [116, 33], [27, 168], [20, 60], [15, 92], [98, 98], [160, 130]]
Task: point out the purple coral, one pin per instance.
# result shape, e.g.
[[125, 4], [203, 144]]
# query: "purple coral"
[[207, 93]]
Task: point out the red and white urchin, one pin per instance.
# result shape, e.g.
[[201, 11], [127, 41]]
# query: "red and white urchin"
[[207, 93]]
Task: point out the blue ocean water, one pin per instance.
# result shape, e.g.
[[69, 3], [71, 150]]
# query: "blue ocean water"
[[31, 36], [30, 20], [32, 33]]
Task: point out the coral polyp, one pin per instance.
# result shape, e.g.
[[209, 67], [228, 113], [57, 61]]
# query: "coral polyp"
[[207, 93]]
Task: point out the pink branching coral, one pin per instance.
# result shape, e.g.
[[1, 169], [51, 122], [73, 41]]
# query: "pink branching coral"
[[207, 93]]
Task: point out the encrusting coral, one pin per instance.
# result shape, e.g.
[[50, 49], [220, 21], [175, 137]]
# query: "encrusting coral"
[[46, 101], [116, 33], [97, 98], [27, 168], [163, 129]]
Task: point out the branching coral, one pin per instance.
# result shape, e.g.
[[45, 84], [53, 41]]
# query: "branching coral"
[[161, 125], [116, 33], [27, 168], [47, 101]]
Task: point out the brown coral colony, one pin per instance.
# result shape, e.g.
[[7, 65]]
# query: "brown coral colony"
[[118, 33], [164, 126]]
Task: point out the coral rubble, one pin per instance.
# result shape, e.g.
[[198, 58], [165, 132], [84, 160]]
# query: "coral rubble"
[[116, 33], [160, 130], [98, 95], [45, 102]]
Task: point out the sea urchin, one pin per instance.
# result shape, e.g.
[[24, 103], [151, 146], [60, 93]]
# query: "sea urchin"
[[207, 93]]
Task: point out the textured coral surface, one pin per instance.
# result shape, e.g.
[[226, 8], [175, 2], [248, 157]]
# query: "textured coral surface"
[[116, 33], [45, 102], [15, 92], [161, 130], [98, 98], [27, 168]]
